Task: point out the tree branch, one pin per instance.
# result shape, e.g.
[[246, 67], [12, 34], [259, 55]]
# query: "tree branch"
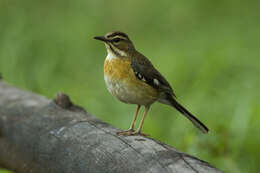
[[39, 135]]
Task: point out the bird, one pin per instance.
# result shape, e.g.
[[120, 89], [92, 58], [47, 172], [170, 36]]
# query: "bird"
[[132, 79]]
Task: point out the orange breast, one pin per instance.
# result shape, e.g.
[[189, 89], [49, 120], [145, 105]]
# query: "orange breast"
[[118, 68], [123, 84]]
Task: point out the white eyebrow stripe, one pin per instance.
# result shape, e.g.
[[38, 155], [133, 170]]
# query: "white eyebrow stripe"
[[119, 36]]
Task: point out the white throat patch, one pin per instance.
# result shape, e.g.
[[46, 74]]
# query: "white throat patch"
[[110, 55]]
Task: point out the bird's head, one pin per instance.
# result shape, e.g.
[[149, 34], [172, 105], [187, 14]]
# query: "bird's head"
[[117, 43]]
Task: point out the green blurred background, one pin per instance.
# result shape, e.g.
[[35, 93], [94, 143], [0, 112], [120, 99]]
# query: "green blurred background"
[[208, 50]]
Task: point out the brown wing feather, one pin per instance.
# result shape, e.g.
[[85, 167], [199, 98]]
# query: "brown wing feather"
[[141, 65]]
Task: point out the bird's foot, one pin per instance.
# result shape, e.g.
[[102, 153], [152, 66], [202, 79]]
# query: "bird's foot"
[[131, 132], [126, 132], [140, 134]]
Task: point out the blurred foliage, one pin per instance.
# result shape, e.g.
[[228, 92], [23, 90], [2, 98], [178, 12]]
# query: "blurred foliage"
[[208, 50], [4, 171]]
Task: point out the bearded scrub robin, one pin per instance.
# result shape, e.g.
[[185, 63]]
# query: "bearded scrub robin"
[[132, 79]]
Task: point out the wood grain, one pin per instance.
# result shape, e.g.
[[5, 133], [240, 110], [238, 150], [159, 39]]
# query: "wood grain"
[[40, 135]]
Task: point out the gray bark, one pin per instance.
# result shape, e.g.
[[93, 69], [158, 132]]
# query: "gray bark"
[[40, 135]]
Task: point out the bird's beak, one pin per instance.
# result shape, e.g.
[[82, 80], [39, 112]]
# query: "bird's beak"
[[101, 38]]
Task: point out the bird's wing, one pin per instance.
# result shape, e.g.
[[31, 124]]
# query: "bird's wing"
[[146, 72]]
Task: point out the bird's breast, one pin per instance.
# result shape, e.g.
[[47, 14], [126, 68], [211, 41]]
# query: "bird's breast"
[[123, 84]]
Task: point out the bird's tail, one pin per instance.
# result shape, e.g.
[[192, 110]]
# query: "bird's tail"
[[172, 102]]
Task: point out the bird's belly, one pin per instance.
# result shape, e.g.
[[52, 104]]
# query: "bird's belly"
[[128, 93]]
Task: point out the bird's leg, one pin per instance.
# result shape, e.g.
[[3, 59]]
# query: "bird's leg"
[[138, 131], [134, 119], [131, 129]]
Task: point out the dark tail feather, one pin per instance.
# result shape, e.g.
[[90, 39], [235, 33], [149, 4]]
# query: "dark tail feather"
[[188, 115]]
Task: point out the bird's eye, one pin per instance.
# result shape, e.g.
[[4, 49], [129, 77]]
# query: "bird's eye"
[[116, 40]]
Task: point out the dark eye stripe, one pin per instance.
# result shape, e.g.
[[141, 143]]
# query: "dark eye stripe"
[[116, 40]]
